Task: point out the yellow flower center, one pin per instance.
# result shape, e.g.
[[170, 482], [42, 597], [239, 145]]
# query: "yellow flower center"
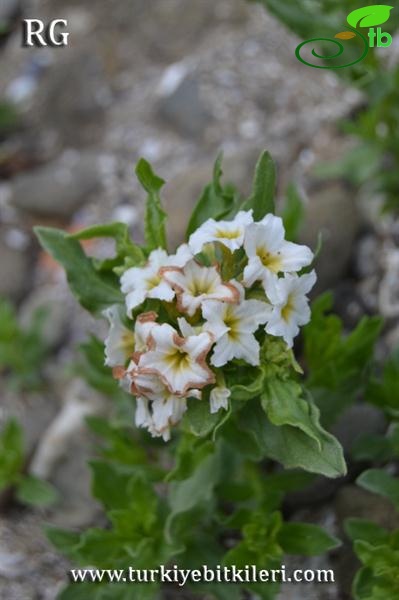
[[178, 360], [271, 261], [198, 287], [233, 322], [153, 281], [127, 343], [226, 234], [288, 309]]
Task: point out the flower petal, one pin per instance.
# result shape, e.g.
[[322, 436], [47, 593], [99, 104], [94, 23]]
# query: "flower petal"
[[295, 256], [219, 398]]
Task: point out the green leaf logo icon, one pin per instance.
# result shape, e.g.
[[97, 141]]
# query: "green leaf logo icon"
[[370, 16]]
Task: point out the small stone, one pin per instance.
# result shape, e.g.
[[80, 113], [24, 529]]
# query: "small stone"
[[15, 270], [367, 257], [53, 301], [353, 501], [183, 108], [183, 191], [356, 421], [331, 212], [63, 453], [59, 189], [74, 112]]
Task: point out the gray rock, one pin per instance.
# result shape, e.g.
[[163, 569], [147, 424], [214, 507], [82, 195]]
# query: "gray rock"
[[183, 108], [59, 189], [332, 212], [168, 30], [30, 566], [53, 301], [74, 112], [34, 412], [183, 191], [353, 501], [358, 420], [15, 271], [63, 453]]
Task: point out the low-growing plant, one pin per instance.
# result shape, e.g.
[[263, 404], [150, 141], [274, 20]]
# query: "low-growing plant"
[[200, 347], [14, 480], [377, 547], [22, 369]]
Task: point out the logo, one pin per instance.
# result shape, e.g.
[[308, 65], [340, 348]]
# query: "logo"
[[36, 33], [370, 17]]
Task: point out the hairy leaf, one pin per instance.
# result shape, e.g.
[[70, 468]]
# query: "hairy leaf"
[[215, 201], [306, 539], [155, 216], [261, 200], [379, 482], [94, 291]]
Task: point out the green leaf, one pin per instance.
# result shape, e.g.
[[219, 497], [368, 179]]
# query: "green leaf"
[[384, 392], [364, 585], [121, 446], [11, 453], [94, 291], [155, 217], [22, 370], [250, 383], [65, 541], [293, 213], [194, 494], [337, 364], [362, 529], [125, 248], [215, 201], [282, 402], [383, 560], [369, 16], [379, 482], [92, 369], [35, 492], [306, 539], [291, 446], [198, 419], [261, 200], [110, 484]]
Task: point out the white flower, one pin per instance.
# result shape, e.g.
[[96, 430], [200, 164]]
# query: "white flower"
[[138, 344], [268, 251], [145, 323], [143, 414], [233, 326], [291, 305], [195, 283], [186, 329], [228, 233], [158, 409], [119, 344], [125, 375], [219, 398], [140, 283], [179, 362]]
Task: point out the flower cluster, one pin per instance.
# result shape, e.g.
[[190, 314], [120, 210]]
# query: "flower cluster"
[[191, 313]]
